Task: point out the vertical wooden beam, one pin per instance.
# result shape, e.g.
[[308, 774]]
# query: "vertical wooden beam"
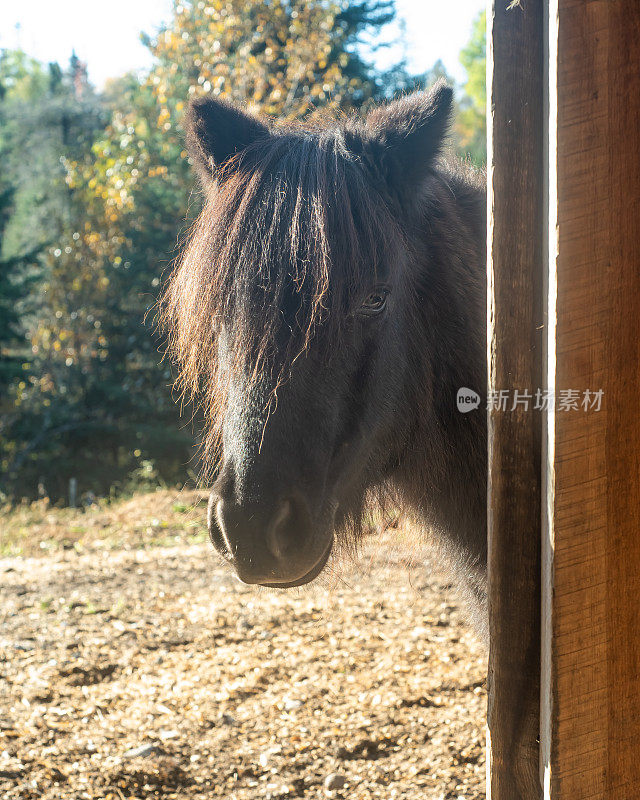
[[516, 181], [591, 726]]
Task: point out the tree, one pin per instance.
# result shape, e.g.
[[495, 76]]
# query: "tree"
[[472, 121], [17, 274], [45, 114], [96, 386], [283, 57]]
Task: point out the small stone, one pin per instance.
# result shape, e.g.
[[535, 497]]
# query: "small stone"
[[334, 782], [140, 752], [25, 644], [227, 719], [172, 734]]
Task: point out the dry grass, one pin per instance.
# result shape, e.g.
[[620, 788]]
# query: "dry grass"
[[163, 517]]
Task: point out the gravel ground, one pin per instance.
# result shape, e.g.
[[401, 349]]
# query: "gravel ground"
[[137, 671]]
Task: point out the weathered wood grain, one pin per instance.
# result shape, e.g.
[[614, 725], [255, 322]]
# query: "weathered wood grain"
[[515, 258], [594, 600]]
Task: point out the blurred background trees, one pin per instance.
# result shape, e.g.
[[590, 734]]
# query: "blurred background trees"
[[95, 195], [471, 124]]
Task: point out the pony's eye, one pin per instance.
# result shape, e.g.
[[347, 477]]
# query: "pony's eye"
[[375, 302]]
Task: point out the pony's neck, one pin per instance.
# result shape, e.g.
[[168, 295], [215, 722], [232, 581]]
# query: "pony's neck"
[[443, 468]]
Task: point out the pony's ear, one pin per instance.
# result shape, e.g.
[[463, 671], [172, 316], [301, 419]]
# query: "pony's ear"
[[215, 131], [411, 132]]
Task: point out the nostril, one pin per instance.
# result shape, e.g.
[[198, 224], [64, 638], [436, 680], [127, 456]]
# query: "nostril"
[[278, 538], [288, 528], [215, 521]]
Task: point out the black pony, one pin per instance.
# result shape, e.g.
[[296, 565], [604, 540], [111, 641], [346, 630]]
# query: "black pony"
[[330, 304]]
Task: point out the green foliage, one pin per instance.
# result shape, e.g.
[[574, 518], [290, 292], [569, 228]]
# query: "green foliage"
[[92, 392], [471, 125], [21, 77], [17, 275], [46, 115]]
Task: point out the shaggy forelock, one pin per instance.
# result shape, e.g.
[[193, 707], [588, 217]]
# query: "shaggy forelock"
[[291, 231]]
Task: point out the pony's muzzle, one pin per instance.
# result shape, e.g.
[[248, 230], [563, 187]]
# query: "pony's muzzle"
[[269, 545]]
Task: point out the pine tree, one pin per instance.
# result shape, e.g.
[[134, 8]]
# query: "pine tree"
[[17, 274]]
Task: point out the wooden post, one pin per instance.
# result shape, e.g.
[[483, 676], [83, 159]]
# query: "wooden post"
[[591, 627], [516, 196]]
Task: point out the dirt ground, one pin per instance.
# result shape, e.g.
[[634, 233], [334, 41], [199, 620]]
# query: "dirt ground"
[[134, 665]]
